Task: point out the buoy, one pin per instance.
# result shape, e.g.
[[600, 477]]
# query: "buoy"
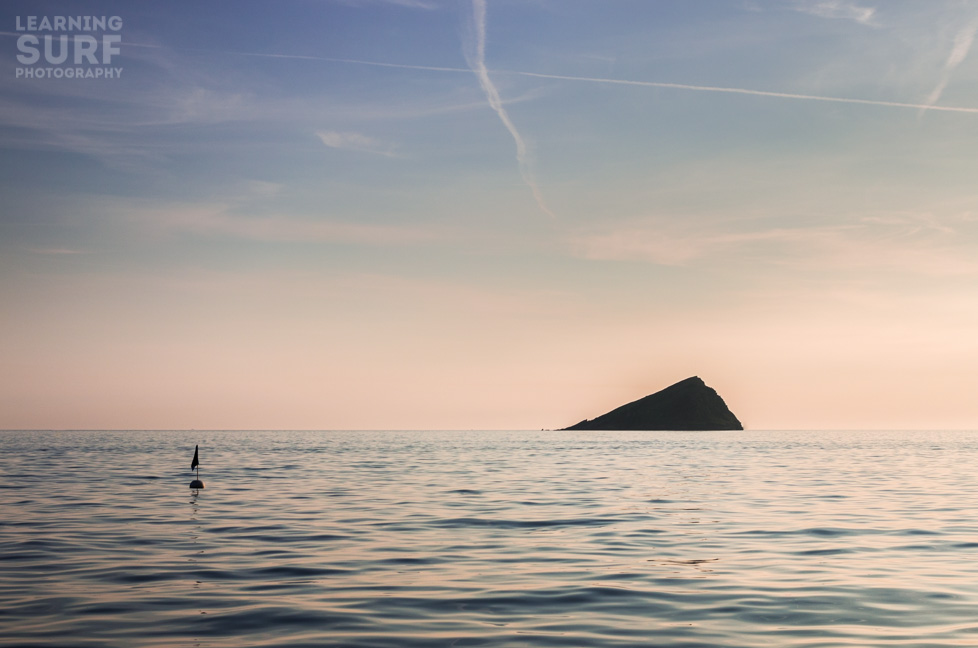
[[196, 484]]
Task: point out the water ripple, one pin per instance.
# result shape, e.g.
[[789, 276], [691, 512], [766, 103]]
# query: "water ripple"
[[489, 539]]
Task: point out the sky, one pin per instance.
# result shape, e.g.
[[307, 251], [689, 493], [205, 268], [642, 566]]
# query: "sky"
[[488, 214]]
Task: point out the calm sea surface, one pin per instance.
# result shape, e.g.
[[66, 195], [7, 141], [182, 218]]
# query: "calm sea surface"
[[432, 539]]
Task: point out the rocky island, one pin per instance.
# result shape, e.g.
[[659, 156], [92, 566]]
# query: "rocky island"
[[688, 405]]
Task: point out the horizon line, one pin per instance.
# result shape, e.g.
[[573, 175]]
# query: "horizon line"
[[776, 429]]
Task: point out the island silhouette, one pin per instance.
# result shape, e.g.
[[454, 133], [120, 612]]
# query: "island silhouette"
[[687, 405]]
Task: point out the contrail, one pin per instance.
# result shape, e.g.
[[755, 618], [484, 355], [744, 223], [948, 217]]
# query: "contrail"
[[648, 84], [492, 94], [962, 45], [745, 91]]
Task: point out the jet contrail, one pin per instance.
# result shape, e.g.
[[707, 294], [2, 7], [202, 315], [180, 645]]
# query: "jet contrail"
[[649, 84], [745, 91], [962, 45], [492, 94]]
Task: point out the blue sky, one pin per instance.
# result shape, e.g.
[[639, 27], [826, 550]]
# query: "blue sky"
[[414, 213]]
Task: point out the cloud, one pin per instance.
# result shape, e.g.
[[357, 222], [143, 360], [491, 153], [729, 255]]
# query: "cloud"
[[963, 41], [350, 141], [288, 229], [244, 210], [477, 62], [663, 243], [921, 244], [262, 188], [412, 4], [839, 9], [219, 219], [56, 251]]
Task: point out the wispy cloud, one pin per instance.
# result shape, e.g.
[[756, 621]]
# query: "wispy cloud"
[[286, 229], [963, 41], [478, 64], [56, 251], [222, 219], [413, 4], [351, 141], [841, 9], [912, 243]]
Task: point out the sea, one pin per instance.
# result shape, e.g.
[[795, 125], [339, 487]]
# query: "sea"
[[480, 538]]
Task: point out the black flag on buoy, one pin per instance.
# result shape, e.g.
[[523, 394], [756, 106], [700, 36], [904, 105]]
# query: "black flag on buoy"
[[196, 484]]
